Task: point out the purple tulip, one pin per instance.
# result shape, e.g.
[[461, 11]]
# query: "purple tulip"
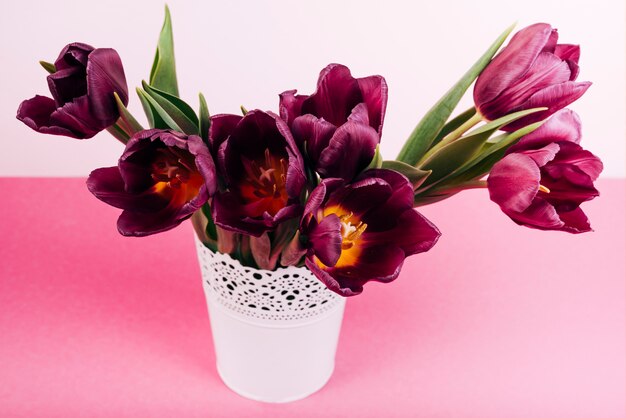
[[363, 231], [161, 179], [340, 123], [82, 88], [531, 71], [544, 178], [262, 169]]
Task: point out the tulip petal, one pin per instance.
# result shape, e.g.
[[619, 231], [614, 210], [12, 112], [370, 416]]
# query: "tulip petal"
[[563, 126], [376, 263], [359, 114], [296, 177], [402, 190], [35, 113], [138, 224], [73, 55], [231, 215], [514, 182], [575, 221], [108, 185], [375, 91], [315, 133], [568, 52], [105, 76], [412, 232], [68, 84], [76, 117], [551, 43], [290, 105], [381, 264], [546, 71], [330, 282], [539, 215], [336, 95], [512, 63], [221, 128], [554, 98], [583, 160], [326, 240], [361, 196], [350, 150], [571, 55], [543, 155], [320, 193]]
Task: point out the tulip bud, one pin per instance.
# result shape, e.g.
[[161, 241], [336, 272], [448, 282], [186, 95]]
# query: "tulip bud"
[[531, 71]]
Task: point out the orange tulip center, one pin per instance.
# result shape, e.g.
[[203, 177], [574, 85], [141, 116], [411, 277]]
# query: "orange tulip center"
[[350, 233], [265, 184], [175, 175], [352, 229]]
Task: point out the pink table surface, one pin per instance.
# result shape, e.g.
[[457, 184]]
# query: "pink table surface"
[[496, 321]]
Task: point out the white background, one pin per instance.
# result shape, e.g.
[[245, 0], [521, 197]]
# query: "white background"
[[248, 52]]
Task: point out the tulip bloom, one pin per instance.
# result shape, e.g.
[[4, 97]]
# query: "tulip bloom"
[[262, 169], [161, 179], [544, 178], [531, 71], [363, 231], [340, 123], [82, 88]]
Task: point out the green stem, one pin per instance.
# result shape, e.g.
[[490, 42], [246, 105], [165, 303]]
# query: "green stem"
[[474, 184], [118, 133], [453, 136]]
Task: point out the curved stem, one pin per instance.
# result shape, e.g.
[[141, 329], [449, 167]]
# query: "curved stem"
[[118, 133], [453, 136]]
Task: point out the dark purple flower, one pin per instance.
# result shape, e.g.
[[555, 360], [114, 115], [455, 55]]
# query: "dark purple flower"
[[544, 178], [531, 71], [82, 88], [161, 179], [262, 169], [340, 123], [363, 231]]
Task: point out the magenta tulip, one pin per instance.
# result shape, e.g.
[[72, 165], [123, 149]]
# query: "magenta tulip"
[[341, 123], [263, 172], [531, 71], [543, 179], [82, 88], [162, 178], [363, 231]]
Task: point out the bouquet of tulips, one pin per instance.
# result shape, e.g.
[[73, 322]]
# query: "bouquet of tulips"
[[308, 185]]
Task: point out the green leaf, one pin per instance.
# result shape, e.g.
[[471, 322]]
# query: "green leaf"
[[243, 110], [492, 152], [126, 121], [377, 160], [163, 72], [454, 124], [205, 119], [415, 175], [180, 112], [48, 66], [154, 120], [211, 230], [454, 155], [423, 200], [431, 124], [158, 110], [118, 133]]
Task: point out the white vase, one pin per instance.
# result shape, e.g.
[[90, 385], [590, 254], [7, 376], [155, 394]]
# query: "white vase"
[[275, 332]]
